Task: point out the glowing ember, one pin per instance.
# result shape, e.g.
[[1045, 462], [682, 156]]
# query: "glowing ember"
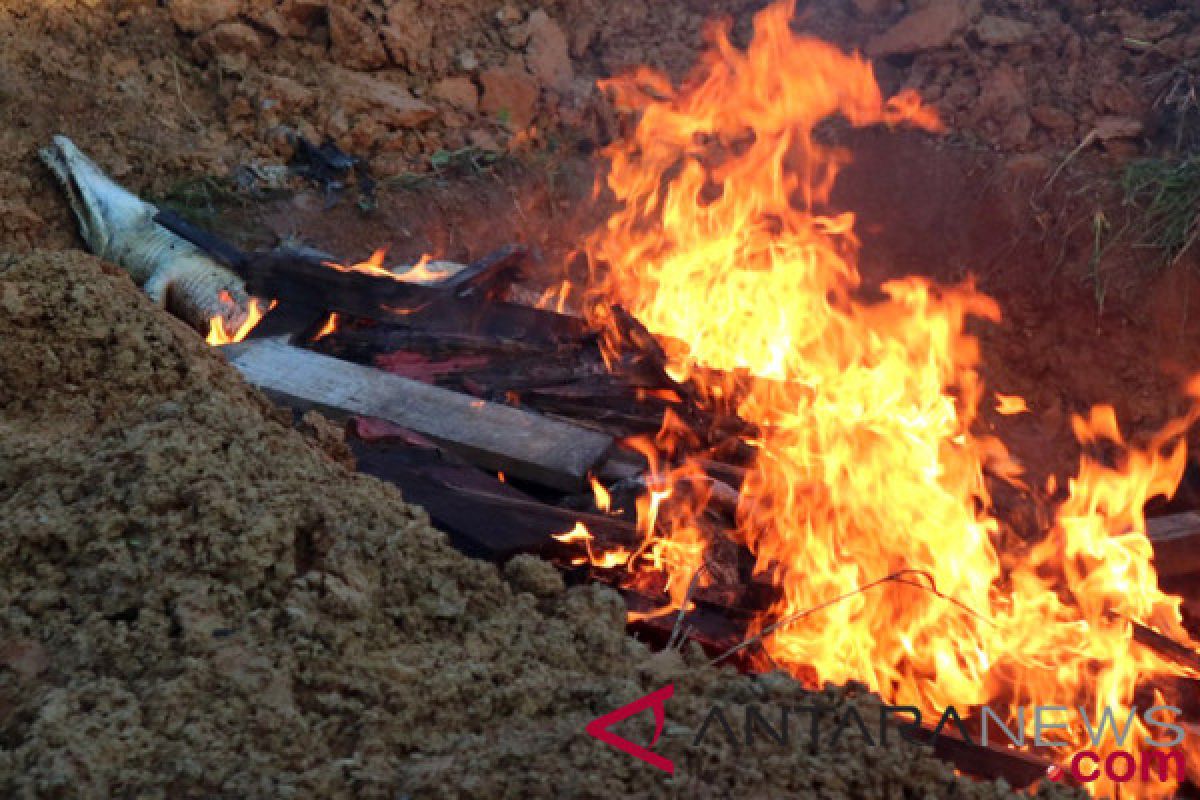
[[329, 327], [217, 335], [601, 495], [1010, 404], [426, 270], [372, 266], [725, 247], [607, 560]]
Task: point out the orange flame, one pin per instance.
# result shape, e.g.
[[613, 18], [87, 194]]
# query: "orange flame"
[[217, 334], [725, 247], [610, 559], [417, 273], [601, 495], [330, 326], [1008, 405]]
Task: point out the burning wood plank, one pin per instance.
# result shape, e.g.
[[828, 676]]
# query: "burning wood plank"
[[485, 517], [492, 436], [1176, 540]]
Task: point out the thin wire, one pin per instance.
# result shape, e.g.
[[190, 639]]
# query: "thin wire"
[[895, 577]]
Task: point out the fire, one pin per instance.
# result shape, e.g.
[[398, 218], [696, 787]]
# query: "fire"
[[330, 326], [555, 298], [417, 273], [1009, 405], [372, 266], [602, 497], [725, 247], [609, 559], [217, 334]]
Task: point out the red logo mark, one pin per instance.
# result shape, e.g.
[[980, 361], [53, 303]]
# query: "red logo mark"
[[656, 700]]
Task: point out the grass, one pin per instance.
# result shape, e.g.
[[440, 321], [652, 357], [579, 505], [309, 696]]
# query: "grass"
[[199, 199], [1165, 196], [1177, 96]]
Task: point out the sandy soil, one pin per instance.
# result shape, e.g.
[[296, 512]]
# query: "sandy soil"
[[200, 601]]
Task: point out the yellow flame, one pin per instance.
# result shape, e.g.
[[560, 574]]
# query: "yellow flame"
[[217, 335], [602, 497], [329, 327], [724, 245], [1010, 404]]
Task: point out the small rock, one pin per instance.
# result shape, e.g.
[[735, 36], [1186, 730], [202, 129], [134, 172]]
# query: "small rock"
[[1052, 118], [1121, 100], [353, 43], [291, 96], [459, 92], [872, 8], [528, 573], [230, 38], [508, 14], [1003, 92], [546, 53], [390, 165], [484, 141], [390, 103], [10, 299], [25, 657], [1028, 165], [300, 14], [1002, 31], [935, 25], [1016, 131], [1112, 127], [510, 93], [468, 61], [197, 16], [272, 20], [407, 38], [1136, 26]]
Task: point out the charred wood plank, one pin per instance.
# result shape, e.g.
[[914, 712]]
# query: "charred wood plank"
[[484, 517], [489, 274], [477, 529], [298, 277], [1176, 541], [1019, 769], [492, 436], [500, 319], [1165, 646]]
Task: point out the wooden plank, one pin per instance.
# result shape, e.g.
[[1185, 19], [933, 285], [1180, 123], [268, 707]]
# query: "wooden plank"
[[489, 435], [718, 632], [489, 274], [484, 517], [1017, 768], [478, 529], [1176, 541], [302, 278]]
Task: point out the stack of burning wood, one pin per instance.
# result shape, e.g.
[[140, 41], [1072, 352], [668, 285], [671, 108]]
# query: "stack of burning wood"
[[520, 430]]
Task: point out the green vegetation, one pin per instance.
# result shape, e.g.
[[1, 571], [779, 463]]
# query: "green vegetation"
[[1165, 197]]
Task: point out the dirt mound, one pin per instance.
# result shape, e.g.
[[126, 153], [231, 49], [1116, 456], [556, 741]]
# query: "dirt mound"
[[200, 601]]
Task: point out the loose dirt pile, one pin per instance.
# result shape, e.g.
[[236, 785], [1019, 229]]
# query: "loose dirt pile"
[[198, 600]]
